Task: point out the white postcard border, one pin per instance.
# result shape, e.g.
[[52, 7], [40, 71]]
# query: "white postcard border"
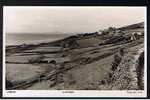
[[76, 93]]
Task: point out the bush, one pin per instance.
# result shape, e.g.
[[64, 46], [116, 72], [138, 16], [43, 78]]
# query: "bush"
[[52, 62], [8, 84], [116, 62], [121, 51]]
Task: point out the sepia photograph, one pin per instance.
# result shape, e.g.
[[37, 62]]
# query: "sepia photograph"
[[73, 49]]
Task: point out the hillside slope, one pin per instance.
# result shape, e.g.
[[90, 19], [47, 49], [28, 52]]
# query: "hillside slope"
[[90, 61]]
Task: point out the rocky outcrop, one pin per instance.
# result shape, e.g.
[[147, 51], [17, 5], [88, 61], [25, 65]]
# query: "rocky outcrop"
[[140, 71]]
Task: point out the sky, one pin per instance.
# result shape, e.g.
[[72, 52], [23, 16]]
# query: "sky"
[[50, 20]]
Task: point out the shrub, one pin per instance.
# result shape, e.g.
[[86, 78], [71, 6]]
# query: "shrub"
[[8, 84]]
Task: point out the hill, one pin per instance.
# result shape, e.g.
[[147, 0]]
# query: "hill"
[[112, 60]]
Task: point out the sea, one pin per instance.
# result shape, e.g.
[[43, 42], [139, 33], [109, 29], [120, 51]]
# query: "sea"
[[18, 39]]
